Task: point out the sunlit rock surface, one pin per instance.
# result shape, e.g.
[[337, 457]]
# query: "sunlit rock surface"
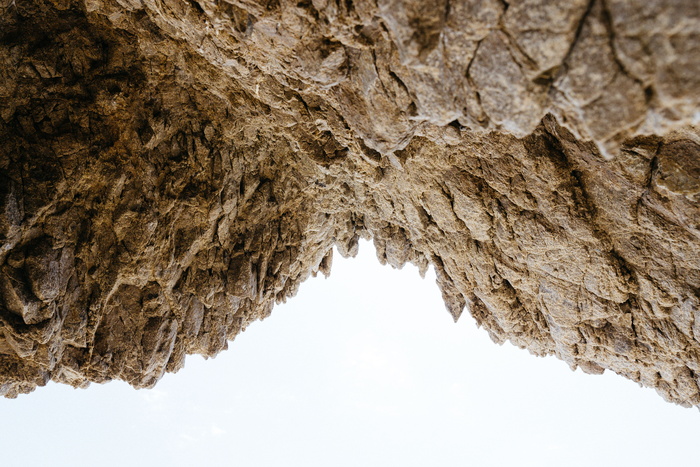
[[169, 170]]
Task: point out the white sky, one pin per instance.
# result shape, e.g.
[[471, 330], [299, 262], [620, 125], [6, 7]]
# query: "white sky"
[[365, 368]]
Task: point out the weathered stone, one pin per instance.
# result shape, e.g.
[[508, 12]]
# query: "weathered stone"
[[171, 170]]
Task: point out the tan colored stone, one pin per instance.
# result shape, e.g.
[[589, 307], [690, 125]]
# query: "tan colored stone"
[[169, 170]]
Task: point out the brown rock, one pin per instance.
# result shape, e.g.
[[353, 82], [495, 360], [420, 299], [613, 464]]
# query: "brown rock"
[[171, 170]]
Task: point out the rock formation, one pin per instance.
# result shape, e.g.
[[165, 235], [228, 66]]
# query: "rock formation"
[[170, 169]]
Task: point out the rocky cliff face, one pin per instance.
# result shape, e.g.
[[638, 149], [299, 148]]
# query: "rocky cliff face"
[[170, 169]]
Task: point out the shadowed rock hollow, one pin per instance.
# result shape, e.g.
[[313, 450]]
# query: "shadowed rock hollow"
[[170, 169]]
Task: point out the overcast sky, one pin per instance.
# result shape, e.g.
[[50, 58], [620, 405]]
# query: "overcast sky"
[[365, 368]]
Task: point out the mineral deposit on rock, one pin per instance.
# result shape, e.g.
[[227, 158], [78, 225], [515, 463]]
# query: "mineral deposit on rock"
[[171, 169]]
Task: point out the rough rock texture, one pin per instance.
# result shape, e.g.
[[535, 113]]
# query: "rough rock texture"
[[169, 169]]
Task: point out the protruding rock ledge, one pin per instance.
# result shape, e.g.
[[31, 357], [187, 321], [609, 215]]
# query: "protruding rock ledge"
[[171, 170]]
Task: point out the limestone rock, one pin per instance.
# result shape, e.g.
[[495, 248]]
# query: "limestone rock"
[[169, 170]]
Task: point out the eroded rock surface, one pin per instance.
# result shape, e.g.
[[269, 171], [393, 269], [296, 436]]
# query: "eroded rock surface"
[[170, 169]]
